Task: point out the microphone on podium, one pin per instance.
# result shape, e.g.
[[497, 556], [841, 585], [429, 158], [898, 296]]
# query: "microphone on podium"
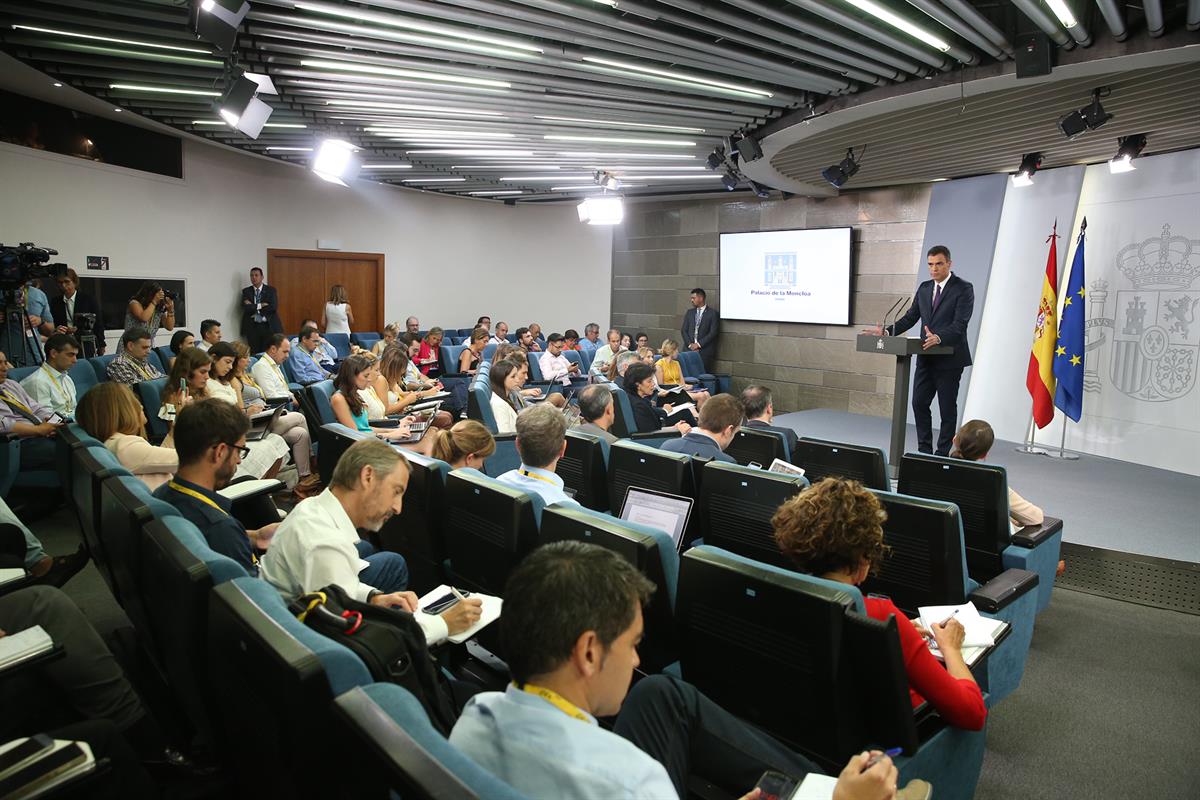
[[889, 312]]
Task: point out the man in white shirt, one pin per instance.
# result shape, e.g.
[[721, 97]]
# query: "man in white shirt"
[[501, 335], [555, 366], [268, 370], [50, 384], [607, 353], [541, 442], [317, 544], [210, 334]]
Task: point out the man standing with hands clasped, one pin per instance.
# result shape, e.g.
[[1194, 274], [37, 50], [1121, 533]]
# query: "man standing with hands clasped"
[[260, 312], [699, 329], [944, 305]]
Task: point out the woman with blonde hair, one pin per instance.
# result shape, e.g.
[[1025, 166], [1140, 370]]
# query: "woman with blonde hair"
[[468, 444], [291, 426], [390, 332], [337, 317], [110, 412], [668, 373], [389, 384]]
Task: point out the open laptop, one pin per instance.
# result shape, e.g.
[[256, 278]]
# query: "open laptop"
[[261, 422], [666, 512]]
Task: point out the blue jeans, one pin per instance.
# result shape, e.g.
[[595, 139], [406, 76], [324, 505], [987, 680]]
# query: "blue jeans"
[[364, 548], [387, 572]]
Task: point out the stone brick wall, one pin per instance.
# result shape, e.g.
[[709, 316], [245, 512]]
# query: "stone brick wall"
[[664, 249]]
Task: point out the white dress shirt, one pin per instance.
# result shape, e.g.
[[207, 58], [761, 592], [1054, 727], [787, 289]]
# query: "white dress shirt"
[[314, 547], [555, 367], [270, 378], [52, 388], [506, 415], [535, 480], [69, 308]]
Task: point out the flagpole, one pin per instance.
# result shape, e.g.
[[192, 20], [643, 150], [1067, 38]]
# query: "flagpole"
[[1027, 447], [1062, 453]]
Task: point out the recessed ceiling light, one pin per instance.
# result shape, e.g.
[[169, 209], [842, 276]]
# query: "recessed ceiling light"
[[618, 140], [588, 154], [615, 123], [371, 69], [74, 35], [900, 23], [492, 192], [697, 80], [397, 21], [292, 149], [408, 107], [469, 152], [387, 166], [137, 87]]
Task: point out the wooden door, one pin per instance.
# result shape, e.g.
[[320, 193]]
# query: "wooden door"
[[303, 279]]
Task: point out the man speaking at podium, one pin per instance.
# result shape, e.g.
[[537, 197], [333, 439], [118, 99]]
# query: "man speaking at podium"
[[944, 305]]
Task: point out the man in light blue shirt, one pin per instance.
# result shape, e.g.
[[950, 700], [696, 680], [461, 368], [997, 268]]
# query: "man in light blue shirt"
[[541, 441], [304, 359], [590, 342], [572, 666]]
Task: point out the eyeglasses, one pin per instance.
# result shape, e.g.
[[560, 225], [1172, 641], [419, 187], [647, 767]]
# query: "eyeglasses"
[[242, 449]]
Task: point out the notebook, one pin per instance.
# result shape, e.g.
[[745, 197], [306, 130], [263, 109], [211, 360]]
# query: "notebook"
[[666, 512], [10, 574], [490, 610], [679, 409], [980, 632], [781, 466], [23, 645]]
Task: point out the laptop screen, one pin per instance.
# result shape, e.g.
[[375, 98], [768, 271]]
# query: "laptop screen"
[[666, 512]]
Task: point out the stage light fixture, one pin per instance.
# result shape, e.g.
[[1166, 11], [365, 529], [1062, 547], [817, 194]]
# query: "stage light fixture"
[[217, 21], [759, 190], [716, 158], [335, 161], [241, 107], [729, 181], [1030, 163], [838, 174], [603, 210], [749, 149], [607, 180], [1088, 118], [1128, 148]]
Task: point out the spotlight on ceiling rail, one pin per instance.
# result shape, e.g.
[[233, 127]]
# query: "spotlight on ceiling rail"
[[1030, 163], [335, 161], [839, 173], [217, 21], [1128, 148], [241, 108], [749, 149], [716, 158], [1088, 118]]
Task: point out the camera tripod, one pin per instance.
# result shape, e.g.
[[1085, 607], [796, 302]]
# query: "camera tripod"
[[23, 349]]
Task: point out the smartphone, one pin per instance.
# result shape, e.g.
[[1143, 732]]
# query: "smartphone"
[[183, 387], [776, 786], [444, 602]]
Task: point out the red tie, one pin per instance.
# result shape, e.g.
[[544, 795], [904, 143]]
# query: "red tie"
[[937, 296]]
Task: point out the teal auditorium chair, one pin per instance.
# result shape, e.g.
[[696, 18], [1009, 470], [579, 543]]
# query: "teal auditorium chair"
[[418, 531], [650, 550], [822, 459], [489, 528], [365, 339], [797, 657], [164, 357], [19, 374], [736, 506], [84, 376], [759, 446], [340, 342], [584, 469], [90, 468], [320, 394], [278, 679], [479, 407], [150, 393], [100, 366], [399, 753], [693, 370], [927, 566], [489, 351], [980, 491], [70, 437], [156, 362], [332, 440], [636, 464], [179, 570]]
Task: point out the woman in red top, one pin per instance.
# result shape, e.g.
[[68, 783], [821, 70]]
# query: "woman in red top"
[[834, 530], [430, 352]]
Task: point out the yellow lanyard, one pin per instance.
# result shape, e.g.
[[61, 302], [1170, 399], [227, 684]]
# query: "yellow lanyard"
[[61, 389], [248, 381], [13, 401], [278, 371], [537, 477], [557, 700], [196, 496], [145, 371]]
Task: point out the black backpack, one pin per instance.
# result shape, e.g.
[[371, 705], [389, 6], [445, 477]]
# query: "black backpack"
[[389, 642]]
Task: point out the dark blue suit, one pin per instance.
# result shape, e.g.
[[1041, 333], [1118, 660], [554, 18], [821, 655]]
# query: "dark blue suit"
[[939, 375]]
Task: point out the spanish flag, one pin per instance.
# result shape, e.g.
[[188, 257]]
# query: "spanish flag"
[[1040, 376]]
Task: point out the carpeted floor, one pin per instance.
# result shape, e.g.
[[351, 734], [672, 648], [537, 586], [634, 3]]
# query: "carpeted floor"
[[1105, 503]]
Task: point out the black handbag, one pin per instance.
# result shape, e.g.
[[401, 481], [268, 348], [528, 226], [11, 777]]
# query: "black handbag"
[[389, 641]]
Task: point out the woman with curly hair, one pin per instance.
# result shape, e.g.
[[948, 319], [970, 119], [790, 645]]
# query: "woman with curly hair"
[[834, 530]]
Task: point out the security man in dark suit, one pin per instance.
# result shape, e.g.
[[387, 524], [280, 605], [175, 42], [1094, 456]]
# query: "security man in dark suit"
[[69, 305], [260, 312], [699, 328], [944, 305]]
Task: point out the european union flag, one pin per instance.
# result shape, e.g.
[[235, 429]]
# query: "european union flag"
[[1072, 339]]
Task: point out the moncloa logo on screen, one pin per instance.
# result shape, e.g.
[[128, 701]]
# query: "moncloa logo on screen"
[[779, 276]]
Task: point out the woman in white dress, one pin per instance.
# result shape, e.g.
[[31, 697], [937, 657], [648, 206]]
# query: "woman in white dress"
[[337, 316]]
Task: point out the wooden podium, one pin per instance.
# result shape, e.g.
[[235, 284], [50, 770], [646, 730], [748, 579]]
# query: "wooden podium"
[[903, 348]]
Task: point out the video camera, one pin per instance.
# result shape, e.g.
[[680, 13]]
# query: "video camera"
[[171, 295], [20, 264]]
